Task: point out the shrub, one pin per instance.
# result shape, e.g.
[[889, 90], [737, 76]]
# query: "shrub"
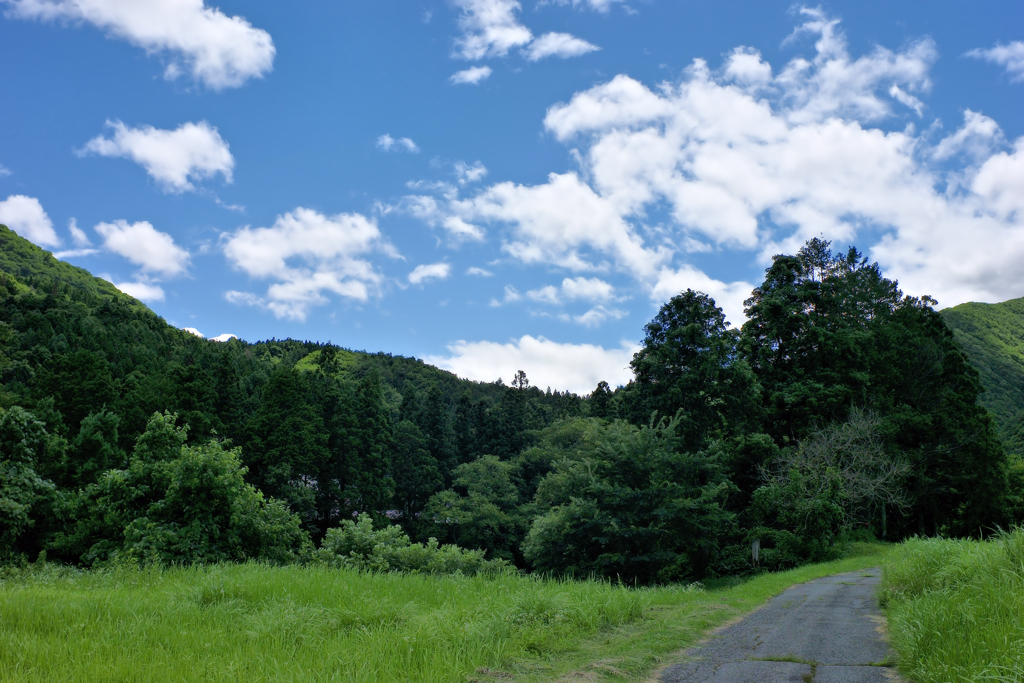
[[357, 545]]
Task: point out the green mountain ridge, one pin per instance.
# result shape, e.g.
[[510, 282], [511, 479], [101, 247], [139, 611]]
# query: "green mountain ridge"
[[992, 336]]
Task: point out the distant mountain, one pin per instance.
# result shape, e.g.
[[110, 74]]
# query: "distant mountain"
[[992, 335]]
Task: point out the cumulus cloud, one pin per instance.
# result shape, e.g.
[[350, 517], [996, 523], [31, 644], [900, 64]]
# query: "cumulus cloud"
[[597, 315], [433, 271], [193, 331], [469, 174], [174, 158], [4, 171], [561, 45], [490, 28], [141, 290], [574, 289], [308, 254], [25, 216], [728, 295], [219, 51], [153, 251], [573, 367], [1010, 57], [753, 160], [471, 76], [436, 213], [390, 144], [479, 272]]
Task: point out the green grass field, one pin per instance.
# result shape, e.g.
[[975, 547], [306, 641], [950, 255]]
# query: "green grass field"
[[258, 623], [956, 608]]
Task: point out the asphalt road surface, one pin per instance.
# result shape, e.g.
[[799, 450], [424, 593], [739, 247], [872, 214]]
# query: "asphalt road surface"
[[825, 631]]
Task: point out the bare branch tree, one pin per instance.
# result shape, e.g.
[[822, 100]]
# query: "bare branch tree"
[[851, 453]]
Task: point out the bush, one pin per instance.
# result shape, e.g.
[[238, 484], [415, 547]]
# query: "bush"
[[357, 545]]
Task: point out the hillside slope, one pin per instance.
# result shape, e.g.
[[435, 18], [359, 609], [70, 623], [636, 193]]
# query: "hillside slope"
[[992, 335], [94, 365]]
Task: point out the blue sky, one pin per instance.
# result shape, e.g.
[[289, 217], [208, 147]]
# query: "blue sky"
[[493, 185]]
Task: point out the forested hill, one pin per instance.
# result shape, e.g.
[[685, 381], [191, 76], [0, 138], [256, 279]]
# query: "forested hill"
[[841, 406], [992, 335], [95, 365]]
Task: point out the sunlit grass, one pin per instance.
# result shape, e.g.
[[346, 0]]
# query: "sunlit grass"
[[956, 608], [258, 623]]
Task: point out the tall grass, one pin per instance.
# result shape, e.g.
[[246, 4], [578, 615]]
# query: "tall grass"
[[253, 622], [956, 608], [259, 623]]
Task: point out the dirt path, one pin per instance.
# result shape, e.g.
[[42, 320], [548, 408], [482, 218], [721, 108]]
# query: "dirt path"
[[825, 631]]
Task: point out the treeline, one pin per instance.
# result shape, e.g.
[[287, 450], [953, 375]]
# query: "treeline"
[[841, 407]]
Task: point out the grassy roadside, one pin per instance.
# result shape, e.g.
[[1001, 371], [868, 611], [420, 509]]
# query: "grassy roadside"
[[677, 619], [956, 608], [258, 623]]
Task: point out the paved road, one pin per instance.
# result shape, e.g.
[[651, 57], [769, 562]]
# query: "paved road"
[[825, 631]]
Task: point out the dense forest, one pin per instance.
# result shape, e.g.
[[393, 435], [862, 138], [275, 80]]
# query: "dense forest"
[[841, 408]]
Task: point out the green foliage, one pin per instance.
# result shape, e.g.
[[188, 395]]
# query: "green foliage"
[[992, 336], [357, 545], [483, 509], [624, 502], [23, 444], [956, 608], [180, 504], [689, 366]]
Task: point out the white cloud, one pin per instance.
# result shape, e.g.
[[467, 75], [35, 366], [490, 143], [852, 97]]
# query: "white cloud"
[[4, 171], [219, 51], [511, 296], [480, 272], [433, 271], [307, 254], [978, 138], [574, 367], [1010, 57], [563, 222], [145, 246], [78, 235], [599, 5], [728, 295], [574, 289], [490, 28], [174, 158], [436, 214], [596, 316], [471, 76], [754, 160], [587, 289], [25, 216], [219, 338], [143, 291], [390, 144], [562, 45], [544, 295], [469, 174]]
